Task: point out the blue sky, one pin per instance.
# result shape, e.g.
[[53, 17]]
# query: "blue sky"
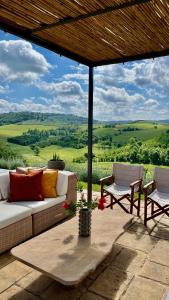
[[35, 79]]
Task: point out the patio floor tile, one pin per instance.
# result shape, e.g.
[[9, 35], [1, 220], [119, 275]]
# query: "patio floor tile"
[[162, 229], [156, 272], [91, 296], [129, 260], [16, 293], [111, 283], [137, 241], [160, 253], [15, 271], [4, 283], [144, 289], [35, 282], [60, 292], [138, 225], [5, 259]]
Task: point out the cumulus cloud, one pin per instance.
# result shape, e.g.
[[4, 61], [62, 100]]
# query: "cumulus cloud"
[[151, 103], [20, 62], [28, 105], [131, 91], [64, 88], [117, 96]]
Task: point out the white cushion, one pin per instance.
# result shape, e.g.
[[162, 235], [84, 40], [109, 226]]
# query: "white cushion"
[[160, 198], [37, 206], [4, 185], [62, 182], [118, 190], [10, 213]]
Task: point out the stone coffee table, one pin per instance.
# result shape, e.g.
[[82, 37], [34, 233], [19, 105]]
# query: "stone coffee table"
[[60, 254]]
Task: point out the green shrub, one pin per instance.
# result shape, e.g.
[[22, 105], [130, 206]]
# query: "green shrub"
[[11, 163]]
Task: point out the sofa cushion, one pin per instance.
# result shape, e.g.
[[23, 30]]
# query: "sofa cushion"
[[62, 182], [37, 206], [49, 180], [26, 187], [10, 213], [4, 185]]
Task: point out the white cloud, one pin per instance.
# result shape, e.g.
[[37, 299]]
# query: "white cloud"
[[20, 62], [64, 88], [151, 103]]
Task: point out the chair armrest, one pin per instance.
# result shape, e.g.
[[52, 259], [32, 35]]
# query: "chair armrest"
[[145, 188], [109, 179], [134, 183], [151, 183]]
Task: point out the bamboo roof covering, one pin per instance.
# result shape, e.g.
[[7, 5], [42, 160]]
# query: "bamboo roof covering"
[[92, 32]]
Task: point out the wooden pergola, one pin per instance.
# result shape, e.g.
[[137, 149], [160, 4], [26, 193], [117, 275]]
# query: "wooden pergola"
[[91, 32]]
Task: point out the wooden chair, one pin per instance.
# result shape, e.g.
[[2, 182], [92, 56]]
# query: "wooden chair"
[[159, 196], [125, 181]]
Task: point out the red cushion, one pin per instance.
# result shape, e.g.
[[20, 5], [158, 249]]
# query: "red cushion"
[[26, 187]]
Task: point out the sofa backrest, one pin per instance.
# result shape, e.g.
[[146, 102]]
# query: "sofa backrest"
[[61, 187]]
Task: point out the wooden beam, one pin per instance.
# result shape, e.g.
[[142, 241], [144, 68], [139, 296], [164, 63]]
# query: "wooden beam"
[[96, 13], [150, 55], [24, 34]]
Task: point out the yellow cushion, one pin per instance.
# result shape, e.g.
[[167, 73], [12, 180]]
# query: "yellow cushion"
[[49, 180]]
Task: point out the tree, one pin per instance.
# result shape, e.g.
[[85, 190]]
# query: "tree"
[[36, 150]]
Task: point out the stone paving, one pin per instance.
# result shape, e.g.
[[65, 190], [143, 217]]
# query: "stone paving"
[[136, 269]]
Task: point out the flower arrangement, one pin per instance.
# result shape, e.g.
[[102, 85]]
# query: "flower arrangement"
[[84, 204], [85, 212]]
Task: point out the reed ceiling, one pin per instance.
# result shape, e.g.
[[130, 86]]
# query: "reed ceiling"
[[92, 32]]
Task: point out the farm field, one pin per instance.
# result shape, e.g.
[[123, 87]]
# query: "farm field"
[[134, 142]]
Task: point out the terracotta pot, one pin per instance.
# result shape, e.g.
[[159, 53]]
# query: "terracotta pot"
[[85, 222], [56, 164]]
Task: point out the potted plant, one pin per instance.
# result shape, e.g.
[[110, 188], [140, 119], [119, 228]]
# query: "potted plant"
[[85, 212], [56, 163]]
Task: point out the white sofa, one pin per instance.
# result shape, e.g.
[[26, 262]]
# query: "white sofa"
[[23, 219]]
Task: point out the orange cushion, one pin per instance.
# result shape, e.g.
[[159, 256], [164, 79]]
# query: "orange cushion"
[[26, 187], [49, 180]]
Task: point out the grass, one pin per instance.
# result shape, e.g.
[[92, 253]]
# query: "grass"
[[17, 129], [146, 132], [100, 169]]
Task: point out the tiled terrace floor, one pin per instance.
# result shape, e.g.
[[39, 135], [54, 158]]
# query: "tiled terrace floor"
[[136, 269]]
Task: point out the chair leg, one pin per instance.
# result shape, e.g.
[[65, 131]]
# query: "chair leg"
[[139, 200], [145, 210], [131, 202], [111, 202], [152, 208]]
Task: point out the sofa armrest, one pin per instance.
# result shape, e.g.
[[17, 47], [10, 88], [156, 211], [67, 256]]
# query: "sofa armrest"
[[71, 195]]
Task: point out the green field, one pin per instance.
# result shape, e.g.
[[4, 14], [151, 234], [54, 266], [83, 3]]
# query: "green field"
[[147, 133]]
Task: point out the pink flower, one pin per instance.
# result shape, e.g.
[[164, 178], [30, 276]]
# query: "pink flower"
[[66, 205]]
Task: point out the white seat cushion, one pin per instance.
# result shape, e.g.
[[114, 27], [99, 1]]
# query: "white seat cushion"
[[161, 198], [37, 206], [10, 213], [118, 190]]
